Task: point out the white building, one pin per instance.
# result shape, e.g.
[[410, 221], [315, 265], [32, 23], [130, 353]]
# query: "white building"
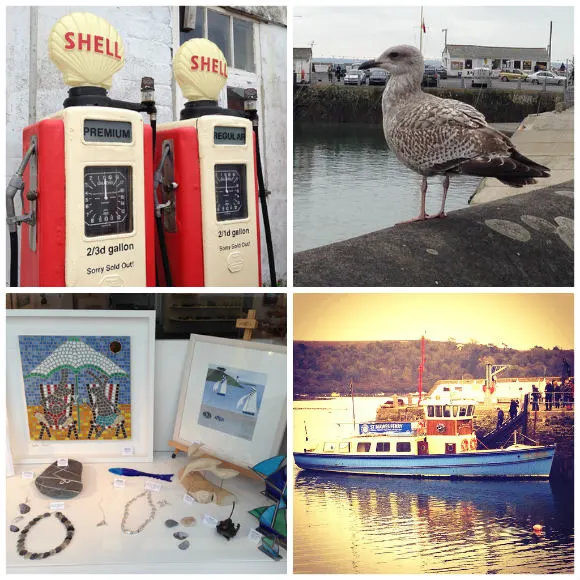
[[253, 40], [302, 65], [459, 59]]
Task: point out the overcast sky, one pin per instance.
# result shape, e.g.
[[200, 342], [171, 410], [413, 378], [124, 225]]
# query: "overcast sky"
[[520, 320], [367, 31]]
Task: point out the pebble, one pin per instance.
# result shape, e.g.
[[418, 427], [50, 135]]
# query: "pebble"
[[183, 545], [14, 528], [180, 535], [171, 523], [188, 521], [24, 509]]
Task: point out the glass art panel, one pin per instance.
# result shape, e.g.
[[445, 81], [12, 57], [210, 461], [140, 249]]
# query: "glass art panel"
[[77, 387], [231, 400]]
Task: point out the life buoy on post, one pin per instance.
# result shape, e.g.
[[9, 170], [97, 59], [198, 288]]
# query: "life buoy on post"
[[464, 445]]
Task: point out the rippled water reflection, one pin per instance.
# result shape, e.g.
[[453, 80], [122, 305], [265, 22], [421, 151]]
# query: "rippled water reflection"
[[366, 524], [347, 183]]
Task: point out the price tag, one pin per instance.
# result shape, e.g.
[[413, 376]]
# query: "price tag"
[[254, 536], [127, 451], [153, 486], [28, 475], [118, 482], [188, 499], [57, 505], [209, 521], [62, 462]]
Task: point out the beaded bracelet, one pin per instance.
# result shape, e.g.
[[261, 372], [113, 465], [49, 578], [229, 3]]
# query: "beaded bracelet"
[[21, 549]]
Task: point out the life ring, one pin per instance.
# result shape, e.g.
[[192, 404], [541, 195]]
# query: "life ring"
[[464, 445], [473, 444]]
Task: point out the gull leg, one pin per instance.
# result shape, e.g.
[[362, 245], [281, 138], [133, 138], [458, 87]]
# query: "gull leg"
[[422, 215], [442, 213]]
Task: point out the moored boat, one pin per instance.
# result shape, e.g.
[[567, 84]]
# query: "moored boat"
[[443, 444]]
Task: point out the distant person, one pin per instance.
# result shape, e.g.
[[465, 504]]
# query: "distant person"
[[302, 75], [548, 393], [513, 409], [535, 398], [557, 394], [499, 418], [565, 370], [330, 73], [562, 67]]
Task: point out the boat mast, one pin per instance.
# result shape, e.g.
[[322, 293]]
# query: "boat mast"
[[352, 399], [421, 369]]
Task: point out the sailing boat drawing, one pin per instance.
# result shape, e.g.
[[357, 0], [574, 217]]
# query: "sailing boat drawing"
[[231, 400]]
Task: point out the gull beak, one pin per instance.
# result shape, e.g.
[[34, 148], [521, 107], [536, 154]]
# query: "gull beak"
[[368, 64]]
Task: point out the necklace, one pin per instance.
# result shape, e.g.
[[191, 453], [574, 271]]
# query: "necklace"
[[149, 517], [20, 544]]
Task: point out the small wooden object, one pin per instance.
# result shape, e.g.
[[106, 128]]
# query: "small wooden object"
[[250, 324]]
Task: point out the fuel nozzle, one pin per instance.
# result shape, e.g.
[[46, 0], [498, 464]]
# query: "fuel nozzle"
[[251, 105], [147, 90]]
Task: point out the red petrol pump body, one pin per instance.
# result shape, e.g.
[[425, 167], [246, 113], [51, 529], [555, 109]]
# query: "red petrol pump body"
[[209, 199], [90, 179]]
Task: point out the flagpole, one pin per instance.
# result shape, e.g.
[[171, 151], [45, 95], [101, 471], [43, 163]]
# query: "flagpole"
[[352, 399]]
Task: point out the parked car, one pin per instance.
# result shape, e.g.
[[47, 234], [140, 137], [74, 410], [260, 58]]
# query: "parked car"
[[512, 75], [430, 77], [442, 72], [355, 77], [378, 76], [547, 77], [481, 77]]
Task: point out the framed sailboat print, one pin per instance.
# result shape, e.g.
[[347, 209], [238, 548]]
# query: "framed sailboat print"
[[80, 383], [233, 399]]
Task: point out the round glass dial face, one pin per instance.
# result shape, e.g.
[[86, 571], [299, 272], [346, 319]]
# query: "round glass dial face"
[[107, 200], [231, 192]]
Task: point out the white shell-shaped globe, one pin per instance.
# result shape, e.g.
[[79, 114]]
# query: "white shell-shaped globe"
[[86, 49], [200, 69]]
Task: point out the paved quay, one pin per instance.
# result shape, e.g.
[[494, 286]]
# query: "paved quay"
[[522, 240], [548, 139]]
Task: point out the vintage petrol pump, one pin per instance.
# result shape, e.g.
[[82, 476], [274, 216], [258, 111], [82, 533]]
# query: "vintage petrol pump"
[[88, 209], [206, 182]]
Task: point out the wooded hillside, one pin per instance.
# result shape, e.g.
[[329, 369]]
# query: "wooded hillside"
[[321, 368]]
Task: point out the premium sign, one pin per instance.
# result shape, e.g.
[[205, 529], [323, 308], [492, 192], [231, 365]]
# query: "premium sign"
[[101, 131]]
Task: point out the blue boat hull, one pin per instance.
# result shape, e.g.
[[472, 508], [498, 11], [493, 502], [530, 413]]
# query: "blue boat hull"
[[534, 462]]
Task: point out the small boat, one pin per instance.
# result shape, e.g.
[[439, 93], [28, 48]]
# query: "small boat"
[[442, 445], [248, 403], [221, 388]]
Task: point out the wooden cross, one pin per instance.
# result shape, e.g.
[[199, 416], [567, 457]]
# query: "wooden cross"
[[250, 324]]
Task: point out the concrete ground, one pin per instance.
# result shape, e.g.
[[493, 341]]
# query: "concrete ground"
[[548, 139], [517, 241]]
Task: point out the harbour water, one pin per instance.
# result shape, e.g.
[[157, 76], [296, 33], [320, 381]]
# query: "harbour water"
[[366, 524], [347, 183]]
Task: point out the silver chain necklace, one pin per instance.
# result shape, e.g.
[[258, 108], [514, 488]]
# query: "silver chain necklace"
[[149, 517]]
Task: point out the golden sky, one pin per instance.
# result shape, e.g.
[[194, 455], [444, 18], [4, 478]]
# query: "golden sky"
[[519, 320]]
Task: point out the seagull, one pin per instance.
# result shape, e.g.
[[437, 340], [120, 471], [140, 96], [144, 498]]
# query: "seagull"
[[435, 136]]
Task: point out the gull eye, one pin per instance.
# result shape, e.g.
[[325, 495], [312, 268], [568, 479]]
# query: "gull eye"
[[393, 54]]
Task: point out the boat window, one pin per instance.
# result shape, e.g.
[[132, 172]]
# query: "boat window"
[[462, 411], [344, 447], [470, 410], [446, 411], [430, 411], [455, 410], [329, 446], [403, 446], [383, 446], [363, 447], [438, 411]]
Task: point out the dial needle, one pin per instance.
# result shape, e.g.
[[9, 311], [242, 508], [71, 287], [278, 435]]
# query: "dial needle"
[[105, 187]]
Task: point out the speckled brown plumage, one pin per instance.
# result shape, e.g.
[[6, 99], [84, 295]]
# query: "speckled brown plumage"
[[441, 136]]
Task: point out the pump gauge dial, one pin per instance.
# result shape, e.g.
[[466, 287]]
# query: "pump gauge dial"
[[231, 195], [108, 202]]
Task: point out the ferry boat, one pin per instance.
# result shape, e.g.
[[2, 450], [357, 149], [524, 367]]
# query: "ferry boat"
[[443, 444]]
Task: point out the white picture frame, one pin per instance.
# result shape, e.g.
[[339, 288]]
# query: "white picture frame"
[[139, 326], [241, 438]]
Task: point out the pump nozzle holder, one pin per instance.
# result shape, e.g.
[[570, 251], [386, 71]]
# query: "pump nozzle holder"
[[147, 90]]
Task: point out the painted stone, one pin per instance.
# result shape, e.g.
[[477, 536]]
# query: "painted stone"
[[61, 482], [171, 523], [180, 535], [23, 508], [188, 521], [14, 528], [183, 545]]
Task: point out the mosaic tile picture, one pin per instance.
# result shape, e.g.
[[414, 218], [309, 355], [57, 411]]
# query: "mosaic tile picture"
[[231, 400], [77, 387]]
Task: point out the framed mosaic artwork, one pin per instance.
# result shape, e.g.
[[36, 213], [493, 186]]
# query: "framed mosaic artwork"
[[233, 399], [80, 383]]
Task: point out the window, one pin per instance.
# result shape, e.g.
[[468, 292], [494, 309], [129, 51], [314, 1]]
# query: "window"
[[517, 64], [455, 410], [468, 63], [470, 410], [438, 412], [329, 446], [462, 411], [344, 447], [234, 36], [430, 411], [527, 65], [446, 411], [383, 446], [363, 447], [403, 447]]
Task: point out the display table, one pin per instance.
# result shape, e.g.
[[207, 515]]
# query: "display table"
[[106, 549]]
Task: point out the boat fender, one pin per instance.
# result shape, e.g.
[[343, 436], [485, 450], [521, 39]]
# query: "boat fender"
[[464, 445], [473, 444]]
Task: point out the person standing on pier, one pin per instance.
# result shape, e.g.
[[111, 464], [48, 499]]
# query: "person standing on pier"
[[557, 394], [535, 398], [330, 73], [499, 418], [548, 393], [513, 409]]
